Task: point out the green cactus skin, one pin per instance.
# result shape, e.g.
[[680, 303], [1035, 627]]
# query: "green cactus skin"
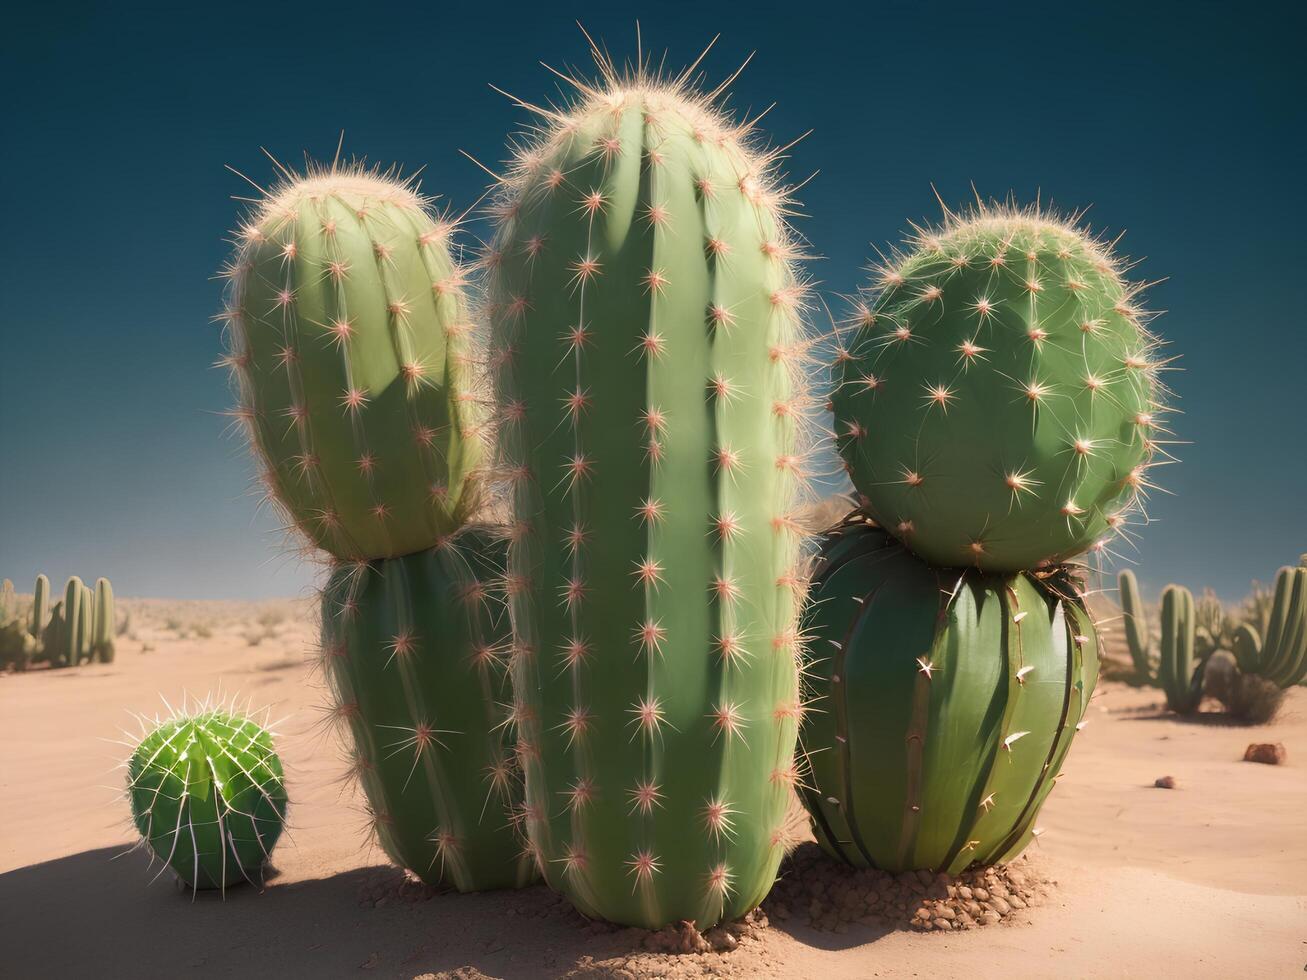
[[1282, 656], [1178, 671], [69, 634], [208, 797], [8, 602], [1134, 620], [645, 304], [103, 622], [349, 345], [40, 605], [85, 625], [416, 652], [997, 402], [948, 702]]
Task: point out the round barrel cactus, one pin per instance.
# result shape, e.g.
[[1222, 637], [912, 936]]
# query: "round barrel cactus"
[[416, 651], [645, 309], [350, 350], [997, 401], [208, 797], [949, 701]]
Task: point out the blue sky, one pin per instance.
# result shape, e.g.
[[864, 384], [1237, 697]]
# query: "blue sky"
[[1181, 124]]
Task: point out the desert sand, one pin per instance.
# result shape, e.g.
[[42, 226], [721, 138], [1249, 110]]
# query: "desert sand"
[[1205, 880]]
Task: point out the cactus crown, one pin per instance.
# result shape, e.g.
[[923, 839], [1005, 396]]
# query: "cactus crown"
[[998, 397]]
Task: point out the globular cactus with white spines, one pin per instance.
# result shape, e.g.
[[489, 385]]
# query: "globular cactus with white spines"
[[945, 701], [208, 796], [1281, 655], [997, 401], [416, 652], [646, 324], [350, 348]]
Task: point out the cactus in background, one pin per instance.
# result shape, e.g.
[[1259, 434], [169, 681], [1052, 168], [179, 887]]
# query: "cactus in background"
[[950, 699], [67, 635], [349, 346], [1179, 672], [102, 630], [416, 650], [645, 312], [998, 402], [8, 603], [1281, 657], [40, 606], [85, 624], [1135, 623], [208, 797]]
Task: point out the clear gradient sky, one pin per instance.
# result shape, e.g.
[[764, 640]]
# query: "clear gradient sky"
[[1182, 124]]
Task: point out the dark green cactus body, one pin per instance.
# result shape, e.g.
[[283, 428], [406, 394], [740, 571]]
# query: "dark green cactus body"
[[69, 634], [1280, 657], [948, 701], [349, 341], [416, 652], [1134, 621], [645, 303], [208, 798], [996, 403], [40, 606], [1178, 671], [103, 623]]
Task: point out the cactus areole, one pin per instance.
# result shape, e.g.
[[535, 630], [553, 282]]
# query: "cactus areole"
[[997, 401], [208, 798], [645, 310], [949, 701], [416, 650], [349, 346]]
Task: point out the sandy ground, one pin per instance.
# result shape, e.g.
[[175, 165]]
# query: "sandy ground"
[[1206, 880]]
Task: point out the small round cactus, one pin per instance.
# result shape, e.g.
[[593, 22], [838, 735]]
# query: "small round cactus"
[[997, 401], [208, 797]]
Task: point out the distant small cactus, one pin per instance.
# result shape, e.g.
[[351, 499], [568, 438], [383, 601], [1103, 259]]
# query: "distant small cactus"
[[997, 399], [208, 796]]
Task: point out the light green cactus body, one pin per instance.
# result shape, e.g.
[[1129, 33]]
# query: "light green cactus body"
[[1134, 620], [103, 623], [416, 651], [40, 606], [85, 627], [208, 797], [349, 346], [8, 603], [644, 303], [996, 401], [949, 699], [1280, 657], [1179, 672]]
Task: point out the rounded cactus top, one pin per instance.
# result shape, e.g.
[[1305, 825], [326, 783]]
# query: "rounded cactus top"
[[352, 354], [997, 401], [207, 795]]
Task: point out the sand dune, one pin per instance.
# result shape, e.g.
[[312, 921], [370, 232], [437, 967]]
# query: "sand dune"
[[1206, 880]]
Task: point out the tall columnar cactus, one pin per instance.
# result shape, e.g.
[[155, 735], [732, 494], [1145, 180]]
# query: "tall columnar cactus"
[[949, 699], [350, 349], [208, 796], [1280, 657], [68, 635], [997, 401], [646, 312], [1179, 672], [416, 650], [40, 606], [1134, 619], [103, 623], [8, 602], [85, 627]]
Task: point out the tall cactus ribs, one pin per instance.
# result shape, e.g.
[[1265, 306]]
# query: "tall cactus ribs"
[[645, 314]]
